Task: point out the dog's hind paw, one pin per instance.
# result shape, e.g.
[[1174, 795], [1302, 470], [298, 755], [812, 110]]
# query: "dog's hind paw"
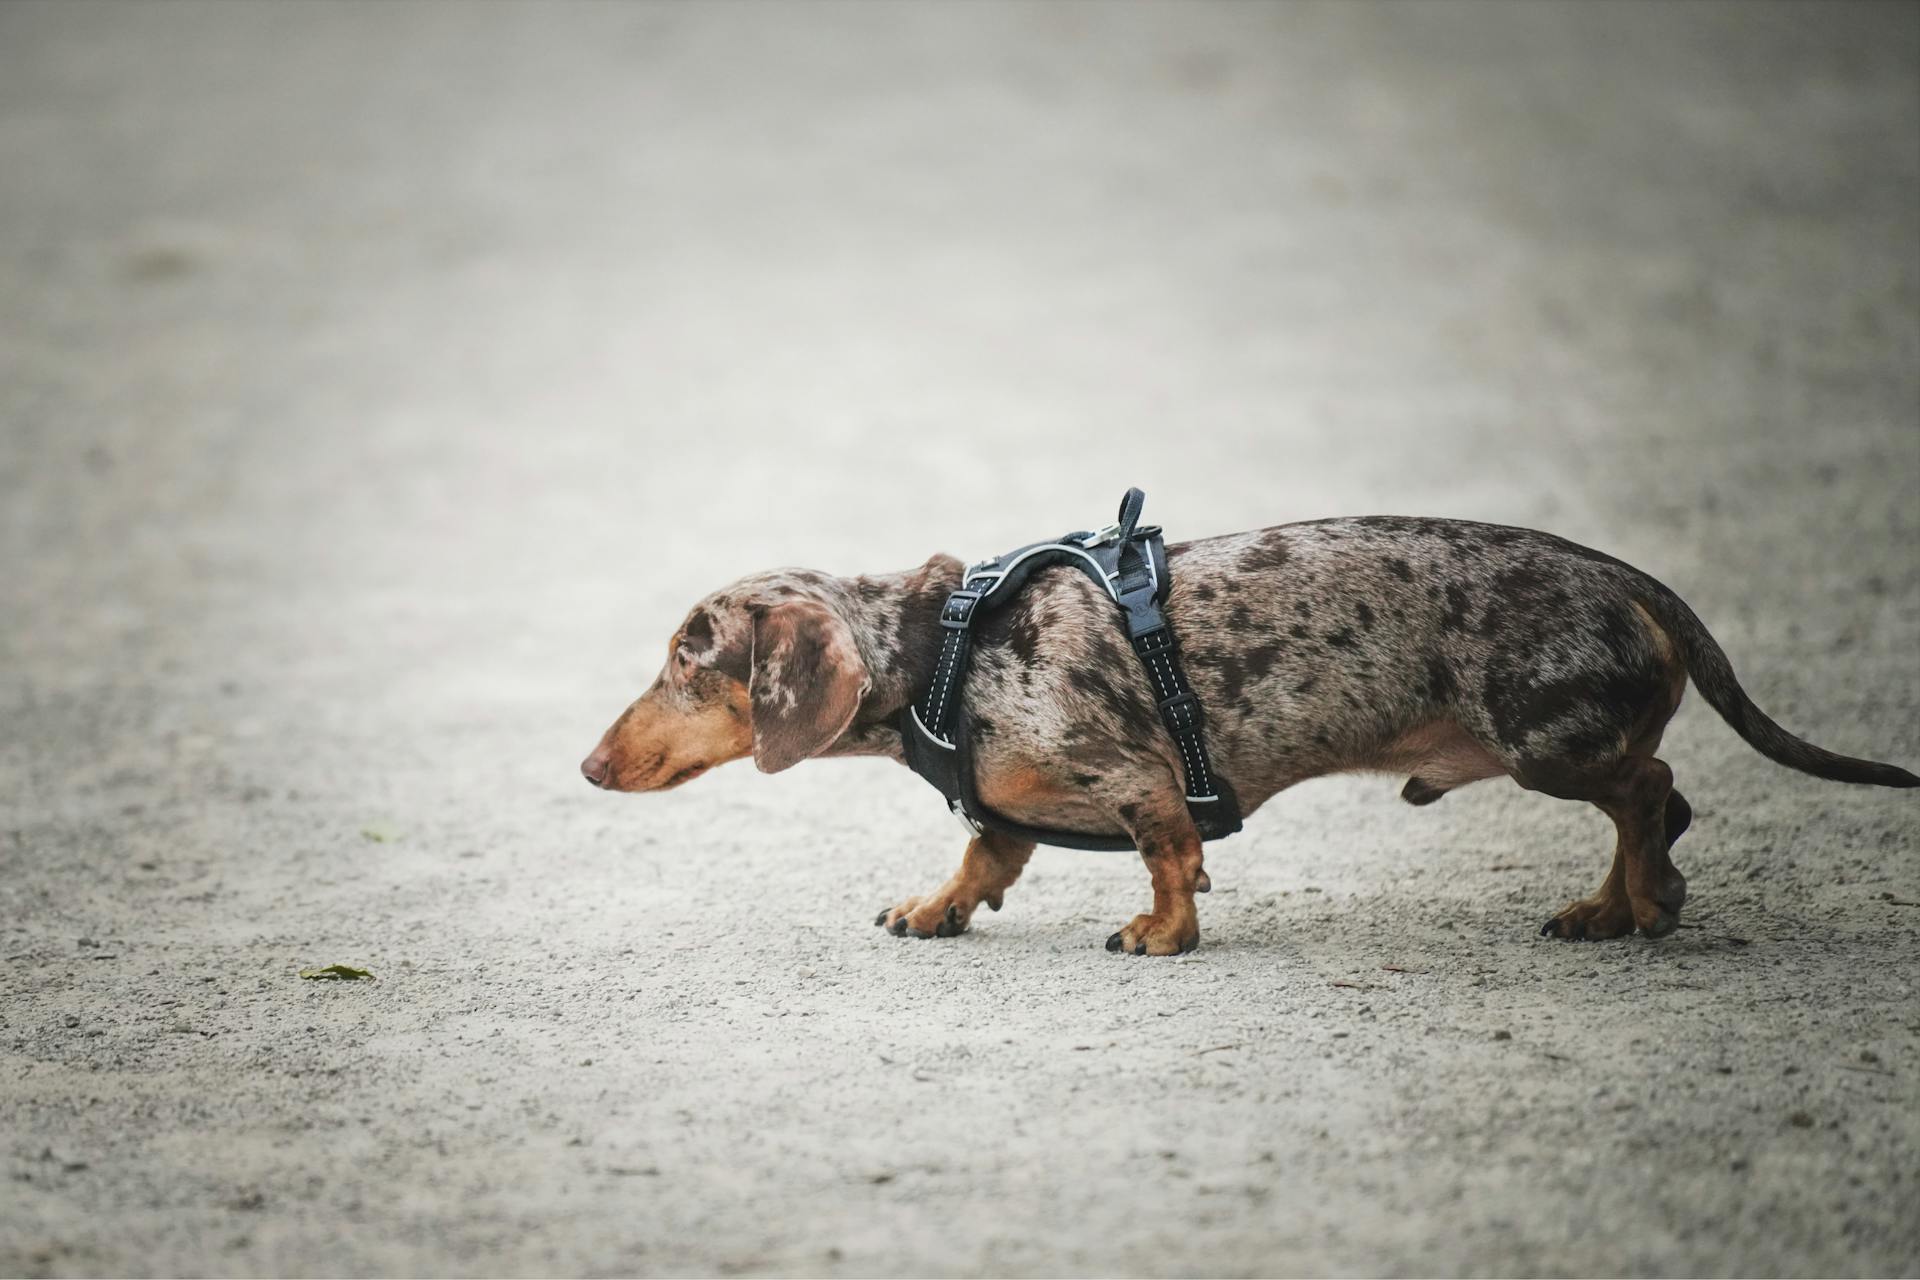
[[1617, 915], [1591, 920]]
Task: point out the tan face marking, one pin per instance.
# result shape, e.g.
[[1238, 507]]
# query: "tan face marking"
[[690, 721]]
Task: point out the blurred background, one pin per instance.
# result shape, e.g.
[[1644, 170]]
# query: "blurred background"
[[380, 382], [452, 351]]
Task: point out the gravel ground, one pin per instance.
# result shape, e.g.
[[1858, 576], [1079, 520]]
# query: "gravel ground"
[[379, 383]]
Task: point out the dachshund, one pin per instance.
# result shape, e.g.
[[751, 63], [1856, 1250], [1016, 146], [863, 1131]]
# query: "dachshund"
[[1442, 650]]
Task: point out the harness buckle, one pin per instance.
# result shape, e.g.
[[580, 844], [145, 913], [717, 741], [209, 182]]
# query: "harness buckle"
[[1181, 712], [1143, 613], [957, 613], [1100, 537], [984, 571], [1158, 640]]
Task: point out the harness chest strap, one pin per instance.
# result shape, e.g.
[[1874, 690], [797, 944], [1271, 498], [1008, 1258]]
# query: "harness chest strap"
[[1130, 565]]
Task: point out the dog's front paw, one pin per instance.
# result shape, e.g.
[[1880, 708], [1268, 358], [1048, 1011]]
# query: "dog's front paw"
[[1156, 935], [939, 915]]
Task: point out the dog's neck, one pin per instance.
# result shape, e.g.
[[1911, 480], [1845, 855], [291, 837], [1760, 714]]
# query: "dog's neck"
[[896, 624]]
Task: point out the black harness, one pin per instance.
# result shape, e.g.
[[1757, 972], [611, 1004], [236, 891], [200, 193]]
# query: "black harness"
[[1130, 565]]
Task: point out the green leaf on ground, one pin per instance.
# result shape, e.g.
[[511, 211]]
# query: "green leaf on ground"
[[336, 973]]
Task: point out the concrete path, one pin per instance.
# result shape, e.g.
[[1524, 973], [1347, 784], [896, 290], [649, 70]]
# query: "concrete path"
[[379, 383]]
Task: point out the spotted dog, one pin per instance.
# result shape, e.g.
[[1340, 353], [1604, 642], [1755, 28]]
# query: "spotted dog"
[[1443, 650]]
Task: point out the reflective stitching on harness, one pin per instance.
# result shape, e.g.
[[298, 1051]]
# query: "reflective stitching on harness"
[[1198, 776], [949, 653]]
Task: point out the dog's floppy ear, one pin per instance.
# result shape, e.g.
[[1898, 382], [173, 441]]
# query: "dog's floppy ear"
[[807, 682]]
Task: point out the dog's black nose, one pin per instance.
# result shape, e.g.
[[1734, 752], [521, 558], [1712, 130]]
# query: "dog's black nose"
[[594, 768]]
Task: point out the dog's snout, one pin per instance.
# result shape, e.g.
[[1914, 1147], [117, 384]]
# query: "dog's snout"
[[594, 768]]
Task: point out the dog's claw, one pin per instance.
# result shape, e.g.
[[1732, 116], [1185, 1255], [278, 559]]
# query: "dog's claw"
[[1203, 884], [950, 925], [1569, 931], [1140, 948], [1113, 943]]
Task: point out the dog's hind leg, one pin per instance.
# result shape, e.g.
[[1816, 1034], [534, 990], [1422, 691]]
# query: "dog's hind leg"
[[1579, 715], [1679, 816], [1643, 890], [990, 866]]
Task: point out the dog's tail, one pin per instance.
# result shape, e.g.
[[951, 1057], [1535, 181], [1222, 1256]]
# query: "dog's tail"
[[1713, 676]]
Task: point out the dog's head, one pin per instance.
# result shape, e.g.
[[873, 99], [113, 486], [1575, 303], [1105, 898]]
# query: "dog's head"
[[766, 667]]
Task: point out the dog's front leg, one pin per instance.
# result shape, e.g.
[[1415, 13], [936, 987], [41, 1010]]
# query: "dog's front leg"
[[992, 863], [1169, 844]]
